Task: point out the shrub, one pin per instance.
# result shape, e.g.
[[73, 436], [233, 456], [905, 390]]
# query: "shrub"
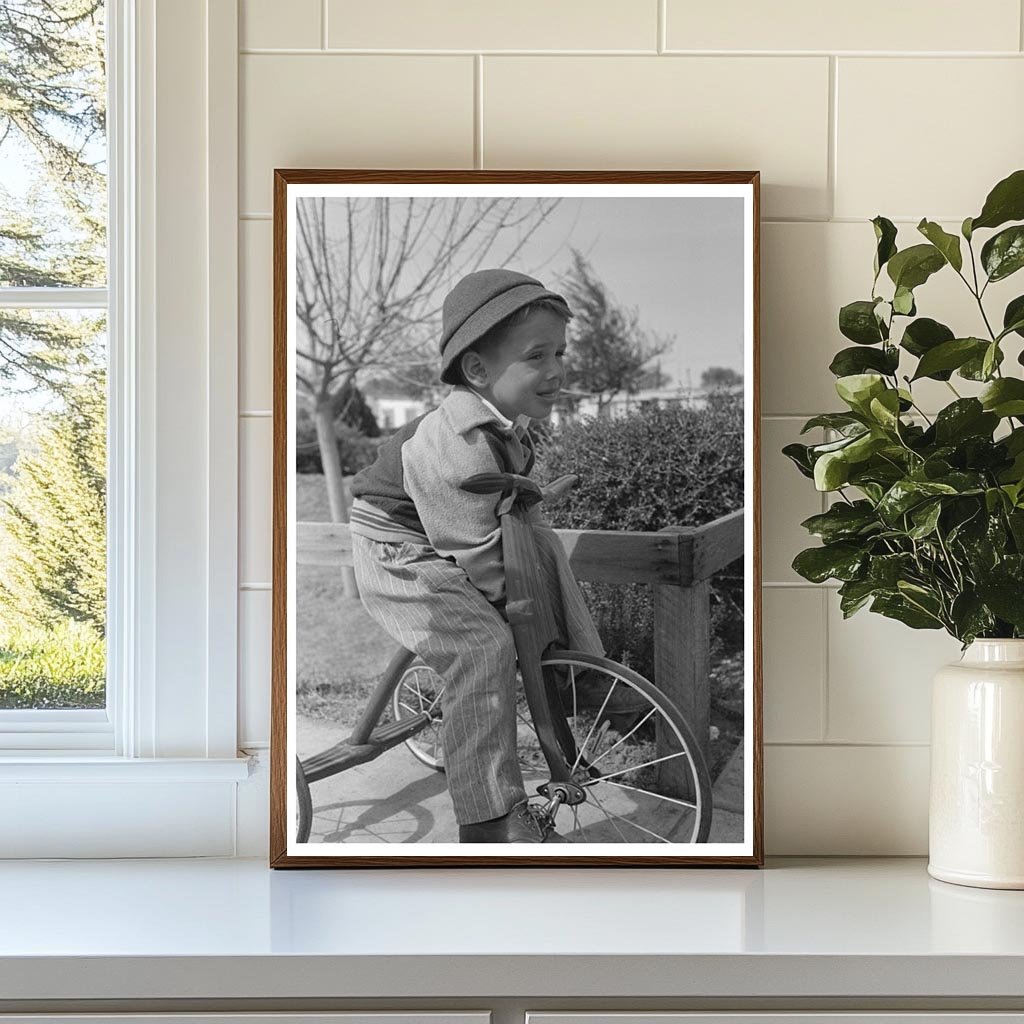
[[355, 450], [643, 472], [60, 667]]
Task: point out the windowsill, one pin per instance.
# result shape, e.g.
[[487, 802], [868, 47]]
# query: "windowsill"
[[80, 766], [824, 929]]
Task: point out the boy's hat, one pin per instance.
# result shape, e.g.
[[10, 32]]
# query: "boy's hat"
[[478, 302]]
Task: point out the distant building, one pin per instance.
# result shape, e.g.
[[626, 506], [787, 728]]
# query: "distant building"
[[623, 404], [393, 411]]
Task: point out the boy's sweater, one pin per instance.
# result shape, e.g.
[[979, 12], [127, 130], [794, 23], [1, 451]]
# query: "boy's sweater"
[[412, 492]]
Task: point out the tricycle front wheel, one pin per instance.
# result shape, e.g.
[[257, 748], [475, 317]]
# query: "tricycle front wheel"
[[628, 748]]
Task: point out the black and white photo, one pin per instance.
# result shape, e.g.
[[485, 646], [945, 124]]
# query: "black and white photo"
[[515, 568]]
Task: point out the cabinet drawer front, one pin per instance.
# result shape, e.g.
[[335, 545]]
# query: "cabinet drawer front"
[[360, 1017], [934, 1017]]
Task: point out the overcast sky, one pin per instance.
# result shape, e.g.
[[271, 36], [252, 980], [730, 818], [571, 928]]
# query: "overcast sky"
[[678, 260]]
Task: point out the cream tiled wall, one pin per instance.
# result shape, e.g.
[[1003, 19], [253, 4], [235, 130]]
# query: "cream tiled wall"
[[908, 110]]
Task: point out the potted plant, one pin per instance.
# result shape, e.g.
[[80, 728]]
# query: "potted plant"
[[927, 521]]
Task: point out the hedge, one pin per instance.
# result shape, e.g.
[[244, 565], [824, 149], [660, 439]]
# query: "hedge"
[[654, 468]]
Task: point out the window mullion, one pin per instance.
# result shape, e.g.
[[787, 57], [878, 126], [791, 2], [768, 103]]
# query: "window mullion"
[[53, 298]]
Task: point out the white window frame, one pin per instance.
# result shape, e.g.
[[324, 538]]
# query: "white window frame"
[[157, 773]]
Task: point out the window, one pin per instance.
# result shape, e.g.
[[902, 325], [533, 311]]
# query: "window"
[[53, 370], [169, 289]]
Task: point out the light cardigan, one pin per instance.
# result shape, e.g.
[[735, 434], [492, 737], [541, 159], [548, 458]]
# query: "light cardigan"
[[424, 463]]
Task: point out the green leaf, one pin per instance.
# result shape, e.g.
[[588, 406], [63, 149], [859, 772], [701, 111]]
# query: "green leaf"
[[934, 467], [864, 446], [818, 450], [843, 521], [857, 321], [831, 471], [854, 594], [974, 368], [994, 499], [903, 302], [881, 471], [949, 355], [1013, 317], [990, 361], [850, 361], [858, 389], [1004, 397], [923, 335], [1017, 325], [904, 495], [840, 561], [1014, 473], [1006, 599], [925, 518], [900, 609], [799, 455], [981, 537], [966, 417], [965, 228], [1005, 202], [1003, 254], [1014, 441], [872, 491], [1016, 521], [885, 409], [912, 267], [947, 244], [1015, 493], [841, 421], [970, 617], [885, 236], [964, 481], [887, 570]]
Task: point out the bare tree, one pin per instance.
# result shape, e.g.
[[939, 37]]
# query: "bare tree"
[[371, 277]]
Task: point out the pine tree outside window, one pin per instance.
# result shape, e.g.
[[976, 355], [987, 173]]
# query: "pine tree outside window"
[[53, 370]]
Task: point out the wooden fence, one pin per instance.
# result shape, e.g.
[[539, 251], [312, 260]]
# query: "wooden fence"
[[677, 563]]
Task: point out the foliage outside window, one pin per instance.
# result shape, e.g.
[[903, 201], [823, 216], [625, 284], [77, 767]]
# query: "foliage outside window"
[[53, 223]]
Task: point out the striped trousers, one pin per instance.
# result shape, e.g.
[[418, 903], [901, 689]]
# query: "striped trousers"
[[428, 605]]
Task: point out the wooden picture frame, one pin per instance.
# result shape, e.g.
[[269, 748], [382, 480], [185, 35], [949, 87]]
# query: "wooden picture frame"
[[398, 818]]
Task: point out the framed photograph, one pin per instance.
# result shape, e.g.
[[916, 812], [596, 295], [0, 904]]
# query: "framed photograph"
[[516, 565]]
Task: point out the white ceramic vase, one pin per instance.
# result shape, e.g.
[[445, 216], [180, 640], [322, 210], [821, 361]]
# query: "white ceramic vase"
[[976, 814]]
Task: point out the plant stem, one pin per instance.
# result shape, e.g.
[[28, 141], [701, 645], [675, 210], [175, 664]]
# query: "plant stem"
[[914, 405], [953, 567]]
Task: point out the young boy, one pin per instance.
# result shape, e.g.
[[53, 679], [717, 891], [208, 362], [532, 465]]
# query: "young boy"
[[427, 554]]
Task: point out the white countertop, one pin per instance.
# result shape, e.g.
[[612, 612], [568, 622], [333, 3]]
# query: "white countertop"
[[234, 929]]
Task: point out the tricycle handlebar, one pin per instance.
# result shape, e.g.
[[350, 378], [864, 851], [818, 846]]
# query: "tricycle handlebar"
[[501, 483]]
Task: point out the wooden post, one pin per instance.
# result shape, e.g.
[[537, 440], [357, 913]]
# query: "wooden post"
[[682, 666]]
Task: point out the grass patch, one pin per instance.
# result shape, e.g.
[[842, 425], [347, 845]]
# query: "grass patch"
[[61, 667], [311, 505], [340, 650]]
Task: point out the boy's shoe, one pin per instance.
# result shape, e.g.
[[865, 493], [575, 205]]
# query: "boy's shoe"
[[521, 825]]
